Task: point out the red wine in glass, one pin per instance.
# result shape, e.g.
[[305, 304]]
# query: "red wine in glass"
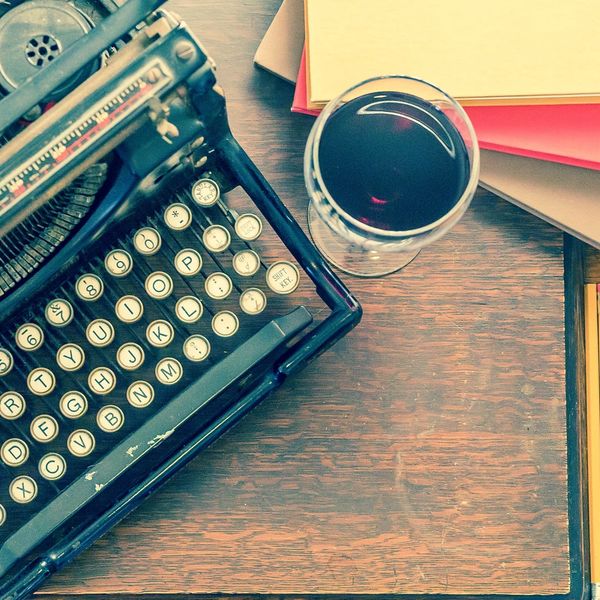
[[393, 161]]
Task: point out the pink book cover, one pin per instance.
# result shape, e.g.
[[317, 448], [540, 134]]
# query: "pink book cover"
[[300, 103], [567, 134]]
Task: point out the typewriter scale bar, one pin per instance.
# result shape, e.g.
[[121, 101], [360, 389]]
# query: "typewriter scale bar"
[[73, 141]]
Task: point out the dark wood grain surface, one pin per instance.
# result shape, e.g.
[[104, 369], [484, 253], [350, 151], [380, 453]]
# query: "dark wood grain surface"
[[425, 453]]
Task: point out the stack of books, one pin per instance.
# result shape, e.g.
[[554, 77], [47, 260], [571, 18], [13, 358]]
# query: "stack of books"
[[526, 73]]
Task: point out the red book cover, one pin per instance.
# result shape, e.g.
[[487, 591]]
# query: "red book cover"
[[567, 134]]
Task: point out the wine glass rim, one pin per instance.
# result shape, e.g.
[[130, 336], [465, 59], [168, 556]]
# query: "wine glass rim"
[[314, 165]]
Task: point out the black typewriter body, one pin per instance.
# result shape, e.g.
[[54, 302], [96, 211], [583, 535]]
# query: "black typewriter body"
[[146, 303]]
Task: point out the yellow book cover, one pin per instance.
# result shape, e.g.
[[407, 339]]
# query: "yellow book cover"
[[593, 424], [479, 51]]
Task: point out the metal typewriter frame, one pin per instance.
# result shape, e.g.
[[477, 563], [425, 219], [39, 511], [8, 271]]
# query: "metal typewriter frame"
[[345, 310]]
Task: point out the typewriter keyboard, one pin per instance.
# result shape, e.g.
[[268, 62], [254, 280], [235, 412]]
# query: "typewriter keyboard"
[[86, 366]]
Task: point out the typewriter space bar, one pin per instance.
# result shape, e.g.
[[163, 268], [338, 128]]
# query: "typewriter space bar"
[[163, 424]]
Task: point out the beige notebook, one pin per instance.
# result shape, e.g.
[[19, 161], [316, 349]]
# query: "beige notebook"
[[568, 197], [281, 48], [476, 50]]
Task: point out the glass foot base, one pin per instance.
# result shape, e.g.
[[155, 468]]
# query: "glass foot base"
[[349, 257]]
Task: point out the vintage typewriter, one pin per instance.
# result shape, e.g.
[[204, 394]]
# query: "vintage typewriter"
[[153, 288]]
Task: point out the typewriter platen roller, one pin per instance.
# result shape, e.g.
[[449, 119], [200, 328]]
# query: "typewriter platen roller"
[[153, 288]]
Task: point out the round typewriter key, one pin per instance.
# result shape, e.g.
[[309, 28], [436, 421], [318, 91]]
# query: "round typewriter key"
[[14, 452], [196, 348], [59, 312], [41, 381], [216, 238], [129, 309], [178, 216], [130, 356], [29, 337], [283, 277], [206, 192], [52, 466], [147, 241], [6, 362], [81, 443], [246, 263], [225, 323], [160, 333], [188, 262], [248, 227], [118, 263], [110, 418], [89, 287], [23, 489], [2, 515], [70, 357], [12, 405], [168, 371], [218, 286], [73, 405], [253, 301], [140, 394], [102, 381], [189, 309], [100, 333], [159, 285], [43, 428]]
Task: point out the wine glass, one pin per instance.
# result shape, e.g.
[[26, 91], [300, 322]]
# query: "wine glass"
[[390, 166]]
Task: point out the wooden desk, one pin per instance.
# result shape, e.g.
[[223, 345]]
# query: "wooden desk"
[[425, 453]]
